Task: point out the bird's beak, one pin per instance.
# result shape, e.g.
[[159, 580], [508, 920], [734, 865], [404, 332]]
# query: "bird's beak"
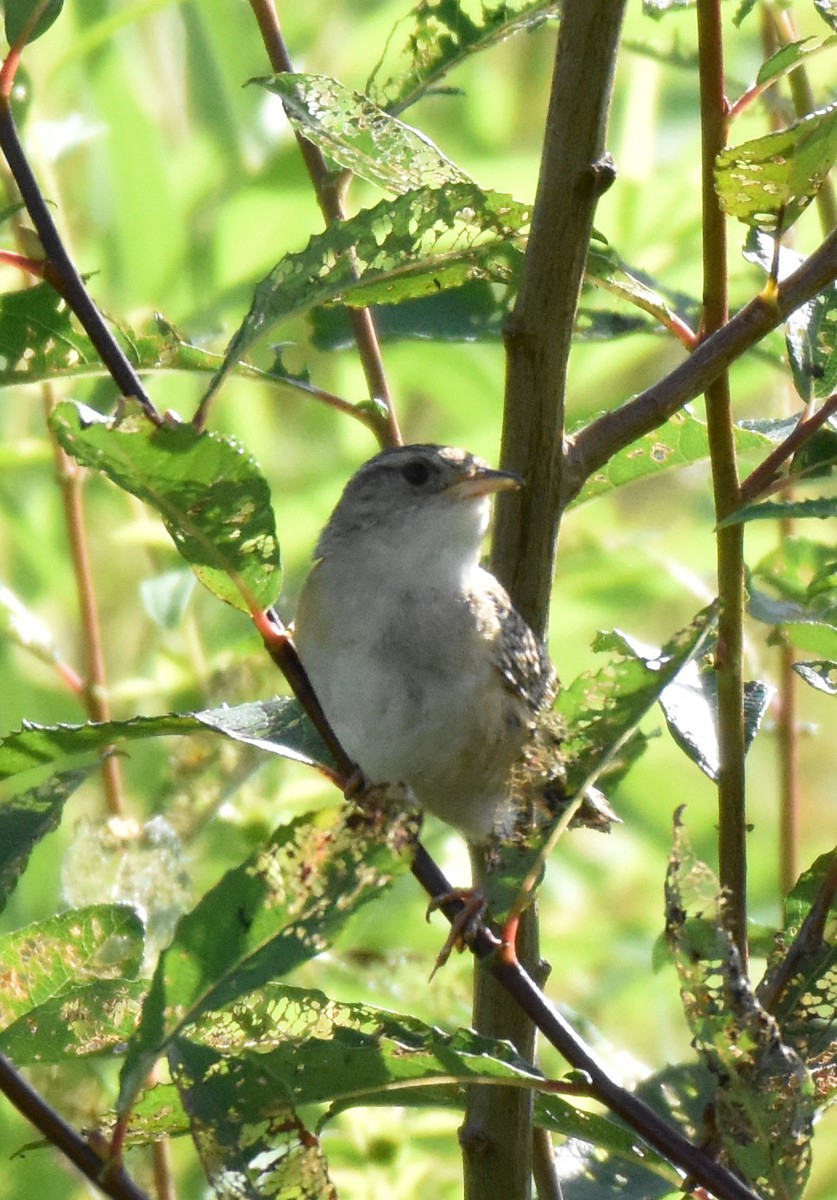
[[483, 481]]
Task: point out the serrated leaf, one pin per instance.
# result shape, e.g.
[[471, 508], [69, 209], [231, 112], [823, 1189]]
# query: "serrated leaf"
[[438, 35], [606, 269], [211, 496], [602, 708], [29, 816], [91, 1020], [415, 245], [360, 136], [281, 907], [774, 510], [770, 181], [18, 16], [278, 726], [821, 675], [764, 1100], [679, 442], [52, 957]]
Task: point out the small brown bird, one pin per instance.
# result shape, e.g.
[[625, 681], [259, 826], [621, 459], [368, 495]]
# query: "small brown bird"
[[425, 671]]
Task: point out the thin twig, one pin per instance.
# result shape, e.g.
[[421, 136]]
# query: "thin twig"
[[594, 445], [329, 192], [732, 824], [59, 270], [107, 1176], [767, 472]]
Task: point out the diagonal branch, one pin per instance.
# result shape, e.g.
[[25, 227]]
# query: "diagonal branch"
[[594, 445]]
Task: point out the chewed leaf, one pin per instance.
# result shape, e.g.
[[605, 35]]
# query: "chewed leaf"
[[278, 909], [54, 956], [769, 181], [764, 1101], [358, 135], [435, 37], [210, 493], [419, 244]]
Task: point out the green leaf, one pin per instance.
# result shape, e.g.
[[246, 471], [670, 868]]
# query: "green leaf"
[[605, 269], [166, 597], [360, 136], [601, 709], [789, 57], [278, 726], [811, 330], [768, 182], [679, 442], [437, 36], [18, 14], [91, 1020], [210, 494], [51, 958], [764, 1100], [821, 675], [416, 245], [770, 510], [245, 1129], [26, 818], [425, 240], [280, 908]]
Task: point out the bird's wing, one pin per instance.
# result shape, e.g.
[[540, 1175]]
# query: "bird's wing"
[[520, 657]]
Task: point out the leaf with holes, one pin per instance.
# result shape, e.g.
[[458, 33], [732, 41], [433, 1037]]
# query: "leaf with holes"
[[53, 957], [771, 180], [361, 137], [281, 907], [210, 493], [434, 38]]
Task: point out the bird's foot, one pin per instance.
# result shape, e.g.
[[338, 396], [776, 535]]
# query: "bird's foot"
[[464, 925]]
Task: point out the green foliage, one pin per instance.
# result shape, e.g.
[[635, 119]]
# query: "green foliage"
[[210, 493], [221, 923]]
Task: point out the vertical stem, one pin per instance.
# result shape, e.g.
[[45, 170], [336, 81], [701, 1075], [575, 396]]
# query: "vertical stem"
[[732, 852], [497, 1134], [787, 733], [329, 198]]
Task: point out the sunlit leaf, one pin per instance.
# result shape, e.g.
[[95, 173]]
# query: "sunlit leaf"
[[358, 135], [768, 182], [681, 441], [789, 57], [95, 1019], [209, 492], [820, 675], [416, 245], [437, 35], [283, 906], [245, 1129], [52, 957], [800, 977], [690, 705]]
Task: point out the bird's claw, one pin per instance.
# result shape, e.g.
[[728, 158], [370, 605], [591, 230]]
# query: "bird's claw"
[[464, 925]]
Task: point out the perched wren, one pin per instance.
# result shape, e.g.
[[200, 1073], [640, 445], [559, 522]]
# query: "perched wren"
[[427, 674]]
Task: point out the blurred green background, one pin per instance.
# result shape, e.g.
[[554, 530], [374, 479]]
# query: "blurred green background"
[[178, 188]]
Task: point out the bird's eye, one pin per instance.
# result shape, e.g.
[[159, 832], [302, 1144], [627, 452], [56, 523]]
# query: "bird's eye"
[[416, 472]]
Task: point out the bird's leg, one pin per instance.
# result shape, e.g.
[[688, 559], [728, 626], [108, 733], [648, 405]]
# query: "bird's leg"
[[465, 923]]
